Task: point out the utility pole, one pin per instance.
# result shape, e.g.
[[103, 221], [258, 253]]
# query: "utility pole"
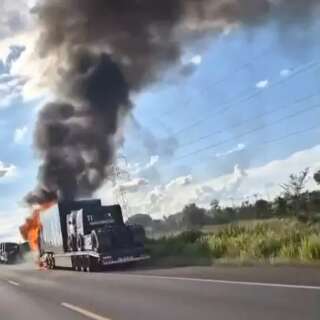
[[120, 173]]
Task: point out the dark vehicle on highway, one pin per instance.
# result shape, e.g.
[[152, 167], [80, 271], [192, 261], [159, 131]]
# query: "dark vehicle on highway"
[[86, 235], [9, 252]]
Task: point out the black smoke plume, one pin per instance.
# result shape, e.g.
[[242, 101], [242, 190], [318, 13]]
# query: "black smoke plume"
[[102, 51], [76, 141]]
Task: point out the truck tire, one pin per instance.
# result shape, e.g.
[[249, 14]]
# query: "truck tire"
[[50, 261], [47, 262], [94, 264], [73, 263], [81, 263], [53, 262], [88, 265], [76, 264]]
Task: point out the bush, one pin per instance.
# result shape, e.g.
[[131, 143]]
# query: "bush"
[[288, 239], [195, 250], [217, 247], [190, 236], [310, 248], [265, 247], [289, 251]]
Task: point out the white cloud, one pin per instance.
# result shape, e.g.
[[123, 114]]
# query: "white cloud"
[[7, 170], [236, 186], [11, 85], [238, 148], [267, 179], [221, 188], [165, 199], [8, 99], [285, 73], [264, 180], [190, 63], [179, 182], [19, 134], [156, 197], [33, 69], [132, 186], [10, 221], [153, 160], [10, 89], [18, 28], [262, 84], [137, 168], [197, 59], [9, 228]]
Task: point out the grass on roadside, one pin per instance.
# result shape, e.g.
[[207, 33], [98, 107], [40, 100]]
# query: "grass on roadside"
[[262, 242]]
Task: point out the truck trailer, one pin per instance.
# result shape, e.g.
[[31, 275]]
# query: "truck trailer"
[[85, 236]]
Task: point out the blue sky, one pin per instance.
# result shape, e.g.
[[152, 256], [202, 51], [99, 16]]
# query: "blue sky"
[[260, 80], [241, 60]]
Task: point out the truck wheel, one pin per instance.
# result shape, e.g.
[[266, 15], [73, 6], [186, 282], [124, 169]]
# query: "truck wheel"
[[82, 264], [94, 264], [73, 266], [47, 262], [53, 262], [87, 264], [50, 262], [76, 264]]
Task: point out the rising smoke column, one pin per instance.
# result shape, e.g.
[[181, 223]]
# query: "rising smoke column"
[[102, 51], [75, 140]]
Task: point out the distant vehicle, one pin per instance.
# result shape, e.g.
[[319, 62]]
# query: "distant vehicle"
[[9, 252], [85, 236]]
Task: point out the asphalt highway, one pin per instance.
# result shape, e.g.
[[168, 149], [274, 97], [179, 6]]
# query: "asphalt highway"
[[186, 293]]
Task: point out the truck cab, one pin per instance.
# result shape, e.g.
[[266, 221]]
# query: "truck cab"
[[102, 230]]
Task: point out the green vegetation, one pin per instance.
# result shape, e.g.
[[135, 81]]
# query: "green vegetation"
[[271, 241], [294, 202], [284, 230]]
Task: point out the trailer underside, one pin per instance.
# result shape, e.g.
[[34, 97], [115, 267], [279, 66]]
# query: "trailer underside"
[[87, 261]]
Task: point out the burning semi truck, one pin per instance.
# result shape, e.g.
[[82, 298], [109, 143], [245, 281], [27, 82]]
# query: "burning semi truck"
[[86, 235]]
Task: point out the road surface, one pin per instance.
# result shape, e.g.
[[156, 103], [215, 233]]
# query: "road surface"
[[187, 293]]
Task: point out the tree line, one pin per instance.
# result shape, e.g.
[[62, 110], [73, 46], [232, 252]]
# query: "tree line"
[[294, 201]]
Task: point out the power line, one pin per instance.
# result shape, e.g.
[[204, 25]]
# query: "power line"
[[212, 146], [246, 98], [224, 78], [236, 125], [289, 135]]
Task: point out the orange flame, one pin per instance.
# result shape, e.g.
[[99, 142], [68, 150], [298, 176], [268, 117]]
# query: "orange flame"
[[30, 230]]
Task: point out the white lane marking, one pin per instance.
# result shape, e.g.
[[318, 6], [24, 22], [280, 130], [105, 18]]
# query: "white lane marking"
[[14, 283], [84, 312], [228, 282]]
